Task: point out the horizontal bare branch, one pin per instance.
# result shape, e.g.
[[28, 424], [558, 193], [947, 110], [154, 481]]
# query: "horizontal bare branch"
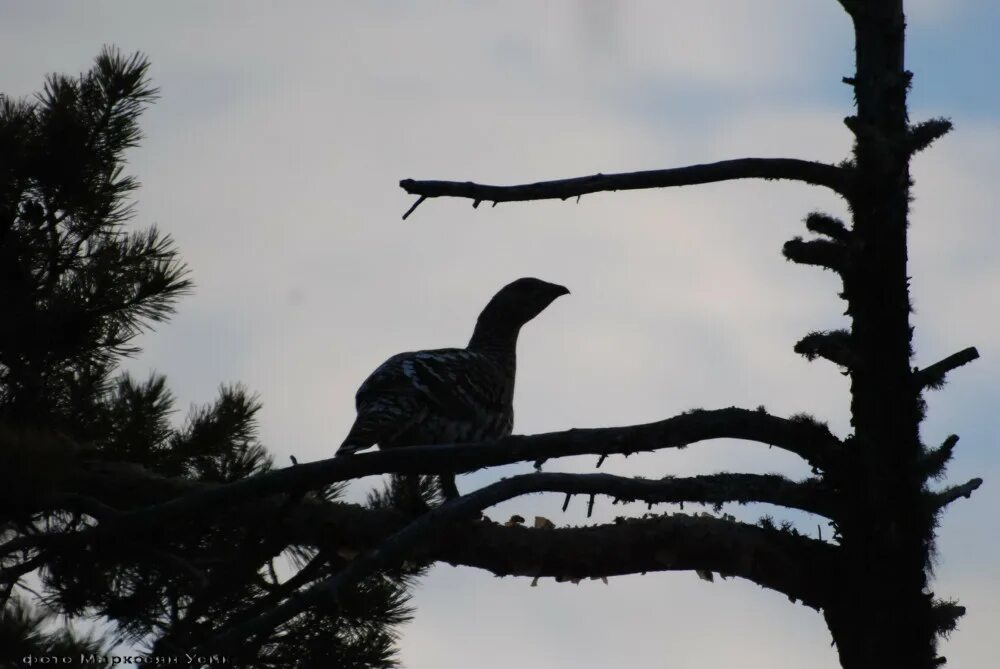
[[833, 345], [820, 252], [808, 439], [933, 376], [949, 495], [808, 495], [824, 224], [922, 135], [780, 561], [819, 174]]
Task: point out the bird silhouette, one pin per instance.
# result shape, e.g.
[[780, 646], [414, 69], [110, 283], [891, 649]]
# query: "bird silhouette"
[[450, 395]]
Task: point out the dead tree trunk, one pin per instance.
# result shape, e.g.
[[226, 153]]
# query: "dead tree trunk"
[[882, 615]]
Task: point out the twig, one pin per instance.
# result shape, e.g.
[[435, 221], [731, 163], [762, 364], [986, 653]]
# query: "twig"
[[414, 207]]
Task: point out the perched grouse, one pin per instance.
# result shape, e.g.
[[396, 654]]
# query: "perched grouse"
[[451, 395]]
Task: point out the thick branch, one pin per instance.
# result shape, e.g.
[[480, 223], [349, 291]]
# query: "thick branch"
[[834, 345], [946, 615], [796, 566], [824, 224], [933, 376], [806, 438], [821, 252], [743, 549], [934, 461], [712, 489], [819, 174], [921, 135], [949, 495]]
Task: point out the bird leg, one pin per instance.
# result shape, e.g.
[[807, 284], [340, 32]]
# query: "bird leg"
[[447, 485]]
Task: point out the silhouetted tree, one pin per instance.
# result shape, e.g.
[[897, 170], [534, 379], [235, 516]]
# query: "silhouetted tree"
[[115, 471], [76, 288]]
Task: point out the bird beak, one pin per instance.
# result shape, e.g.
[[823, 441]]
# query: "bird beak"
[[561, 290]]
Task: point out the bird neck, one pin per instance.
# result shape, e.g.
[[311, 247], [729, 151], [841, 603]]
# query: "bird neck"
[[494, 335]]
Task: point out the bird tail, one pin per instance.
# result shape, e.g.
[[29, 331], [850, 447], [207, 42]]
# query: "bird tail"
[[347, 448], [371, 427]]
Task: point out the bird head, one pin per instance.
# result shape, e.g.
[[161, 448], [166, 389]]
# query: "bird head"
[[516, 304], [522, 300]]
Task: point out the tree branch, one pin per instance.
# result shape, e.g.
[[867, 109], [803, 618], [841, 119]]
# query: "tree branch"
[[921, 135], [824, 224], [14, 573], [946, 615], [714, 489], [712, 545], [804, 437], [934, 461], [949, 495], [833, 345], [819, 174], [820, 252], [933, 376]]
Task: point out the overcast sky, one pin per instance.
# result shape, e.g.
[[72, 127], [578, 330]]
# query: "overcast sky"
[[273, 159]]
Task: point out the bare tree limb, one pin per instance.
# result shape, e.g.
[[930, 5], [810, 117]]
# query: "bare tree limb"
[[933, 376], [923, 134], [808, 439], [934, 461], [819, 174], [820, 252], [744, 550], [824, 224], [949, 495], [833, 345], [712, 489]]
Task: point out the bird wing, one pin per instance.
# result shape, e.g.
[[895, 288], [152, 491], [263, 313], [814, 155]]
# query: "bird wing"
[[381, 421], [457, 382], [407, 387]]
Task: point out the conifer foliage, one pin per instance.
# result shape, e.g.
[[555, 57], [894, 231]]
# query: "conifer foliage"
[[78, 283]]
